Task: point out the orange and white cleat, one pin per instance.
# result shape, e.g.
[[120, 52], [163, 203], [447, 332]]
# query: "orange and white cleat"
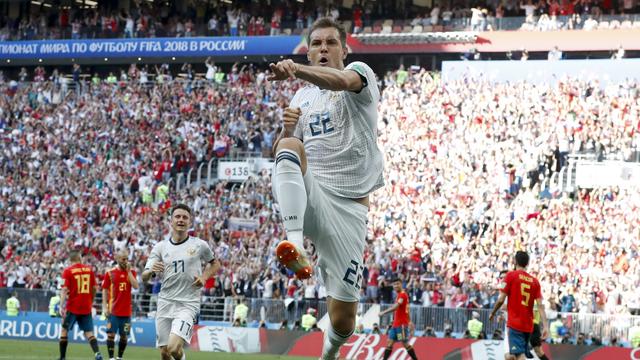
[[294, 259]]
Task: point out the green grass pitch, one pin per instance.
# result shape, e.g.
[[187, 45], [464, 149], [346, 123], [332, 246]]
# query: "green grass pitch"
[[36, 350]]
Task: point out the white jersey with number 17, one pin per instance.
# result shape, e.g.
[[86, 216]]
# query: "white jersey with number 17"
[[339, 131], [182, 263]]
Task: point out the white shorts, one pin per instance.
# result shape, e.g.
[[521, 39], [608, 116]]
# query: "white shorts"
[[338, 229], [174, 318]]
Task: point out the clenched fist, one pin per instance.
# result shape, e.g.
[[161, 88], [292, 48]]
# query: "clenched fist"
[[290, 119], [157, 267]]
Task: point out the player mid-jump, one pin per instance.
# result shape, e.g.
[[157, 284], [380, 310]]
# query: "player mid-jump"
[[327, 164]]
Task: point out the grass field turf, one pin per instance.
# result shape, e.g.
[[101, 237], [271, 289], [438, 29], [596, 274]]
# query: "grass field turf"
[[36, 350]]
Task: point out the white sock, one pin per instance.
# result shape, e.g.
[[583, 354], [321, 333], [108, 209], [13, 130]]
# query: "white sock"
[[332, 343], [291, 194]]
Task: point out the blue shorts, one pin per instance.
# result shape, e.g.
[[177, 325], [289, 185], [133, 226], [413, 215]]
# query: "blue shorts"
[[121, 324], [518, 342], [85, 322], [400, 333]]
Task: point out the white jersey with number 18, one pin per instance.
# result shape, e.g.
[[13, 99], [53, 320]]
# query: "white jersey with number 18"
[[339, 131]]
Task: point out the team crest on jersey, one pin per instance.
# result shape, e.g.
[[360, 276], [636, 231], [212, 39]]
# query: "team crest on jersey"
[[191, 251]]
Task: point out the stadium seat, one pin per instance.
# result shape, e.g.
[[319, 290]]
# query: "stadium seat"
[[377, 29], [636, 24], [427, 28], [367, 30], [417, 29], [397, 29], [388, 22], [297, 31], [603, 25], [626, 25], [614, 24], [286, 32], [386, 29], [378, 23], [407, 29]]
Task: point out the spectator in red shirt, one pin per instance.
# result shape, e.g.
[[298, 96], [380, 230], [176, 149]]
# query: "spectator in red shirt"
[[372, 284]]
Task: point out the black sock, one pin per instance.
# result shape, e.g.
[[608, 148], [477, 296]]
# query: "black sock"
[[411, 352], [122, 344], [543, 357], [63, 346], [111, 344], [94, 344], [387, 353]]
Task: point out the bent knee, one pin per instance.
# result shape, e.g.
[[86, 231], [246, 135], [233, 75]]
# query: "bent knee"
[[344, 325], [295, 145]]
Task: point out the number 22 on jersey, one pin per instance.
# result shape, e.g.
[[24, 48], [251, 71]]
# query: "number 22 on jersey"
[[320, 124]]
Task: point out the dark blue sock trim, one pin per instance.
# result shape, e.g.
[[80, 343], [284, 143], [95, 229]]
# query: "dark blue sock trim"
[[287, 156]]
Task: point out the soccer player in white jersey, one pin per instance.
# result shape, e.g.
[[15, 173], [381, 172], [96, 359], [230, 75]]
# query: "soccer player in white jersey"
[[327, 164], [178, 260]]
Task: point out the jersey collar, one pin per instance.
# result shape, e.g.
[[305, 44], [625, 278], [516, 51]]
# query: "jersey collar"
[[175, 243]]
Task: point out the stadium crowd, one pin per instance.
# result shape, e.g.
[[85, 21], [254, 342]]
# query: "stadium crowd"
[[466, 169], [142, 19]]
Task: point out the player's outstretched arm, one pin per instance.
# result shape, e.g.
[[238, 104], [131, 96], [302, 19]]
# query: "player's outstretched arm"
[[393, 308], [321, 76], [498, 305]]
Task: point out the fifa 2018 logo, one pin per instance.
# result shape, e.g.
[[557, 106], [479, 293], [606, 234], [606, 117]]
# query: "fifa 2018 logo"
[[369, 347]]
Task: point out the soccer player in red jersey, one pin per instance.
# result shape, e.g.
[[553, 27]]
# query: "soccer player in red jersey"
[[76, 301], [400, 328], [522, 290], [116, 302]]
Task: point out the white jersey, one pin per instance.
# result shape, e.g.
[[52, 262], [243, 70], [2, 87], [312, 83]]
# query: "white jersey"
[[182, 263], [339, 131]]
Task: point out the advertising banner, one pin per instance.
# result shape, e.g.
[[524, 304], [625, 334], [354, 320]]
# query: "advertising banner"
[[241, 170], [40, 326], [226, 339], [592, 174], [502, 41], [153, 47], [372, 346], [542, 71]]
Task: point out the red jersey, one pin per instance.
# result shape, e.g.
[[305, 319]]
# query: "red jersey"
[[522, 290], [116, 282], [79, 280], [401, 317]]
